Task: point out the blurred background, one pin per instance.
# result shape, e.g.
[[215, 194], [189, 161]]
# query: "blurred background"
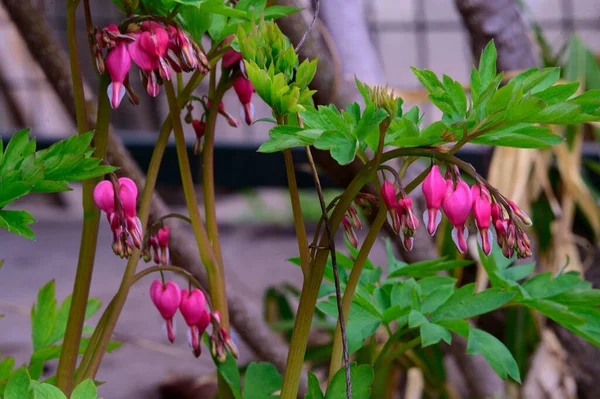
[[375, 40]]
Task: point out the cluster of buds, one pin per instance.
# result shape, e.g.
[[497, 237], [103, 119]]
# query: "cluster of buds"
[[168, 298], [157, 247], [400, 214], [157, 49], [220, 340], [117, 198], [457, 200], [351, 221]]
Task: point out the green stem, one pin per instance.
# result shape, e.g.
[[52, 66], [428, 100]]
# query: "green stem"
[[297, 212], [388, 344], [208, 174], [216, 283], [351, 285], [91, 215], [401, 350]]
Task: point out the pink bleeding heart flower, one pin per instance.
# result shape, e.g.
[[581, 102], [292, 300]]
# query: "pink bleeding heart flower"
[[388, 193], [482, 212], [104, 197], [434, 190], [231, 57], [244, 90], [128, 194], [457, 207], [163, 243], [350, 234], [118, 63], [166, 298], [192, 308], [408, 222]]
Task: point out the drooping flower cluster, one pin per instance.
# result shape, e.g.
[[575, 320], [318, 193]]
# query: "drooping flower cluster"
[[157, 49], [168, 298], [458, 201], [157, 247], [118, 200]]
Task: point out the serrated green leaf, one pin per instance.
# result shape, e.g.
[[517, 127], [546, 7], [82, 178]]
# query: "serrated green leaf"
[[464, 304], [10, 191], [306, 72], [432, 334], [544, 286], [487, 64], [261, 380], [428, 79], [85, 390], [494, 351], [14, 151], [555, 311], [520, 136], [17, 222], [361, 377], [558, 93], [436, 298], [561, 113], [43, 315], [343, 148]]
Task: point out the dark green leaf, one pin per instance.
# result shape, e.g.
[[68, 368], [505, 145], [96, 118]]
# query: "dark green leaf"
[[428, 268], [558, 93], [314, 389], [487, 64], [361, 377], [520, 136], [494, 351], [435, 299], [231, 374], [464, 304], [555, 311], [261, 380]]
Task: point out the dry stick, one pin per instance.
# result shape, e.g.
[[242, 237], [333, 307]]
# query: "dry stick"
[[312, 24], [45, 49], [336, 277]]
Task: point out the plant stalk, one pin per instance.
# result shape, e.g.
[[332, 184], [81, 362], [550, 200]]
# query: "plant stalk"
[[91, 216]]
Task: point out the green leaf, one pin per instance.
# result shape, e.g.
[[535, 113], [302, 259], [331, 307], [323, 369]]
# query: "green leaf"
[[231, 374], [428, 267], [395, 312], [43, 315], [284, 137], [195, 21], [314, 389], [17, 222], [85, 390], [464, 304], [10, 191], [561, 113], [14, 151], [544, 286], [275, 12], [457, 94], [518, 272], [428, 79], [19, 385], [432, 334], [558, 93], [342, 148], [540, 80], [261, 380], [494, 351], [520, 136], [306, 72], [487, 64], [6, 366], [47, 391], [555, 311], [62, 315], [435, 299], [361, 377]]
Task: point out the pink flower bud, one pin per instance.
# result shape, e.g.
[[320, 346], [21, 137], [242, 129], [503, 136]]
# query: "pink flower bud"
[[199, 129], [244, 90], [350, 234], [457, 207], [118, 63], [163, 241], [520, 214], [408, 222], [482, 212], [166, 298], [354, 218], [230, 119], [434, 190]]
